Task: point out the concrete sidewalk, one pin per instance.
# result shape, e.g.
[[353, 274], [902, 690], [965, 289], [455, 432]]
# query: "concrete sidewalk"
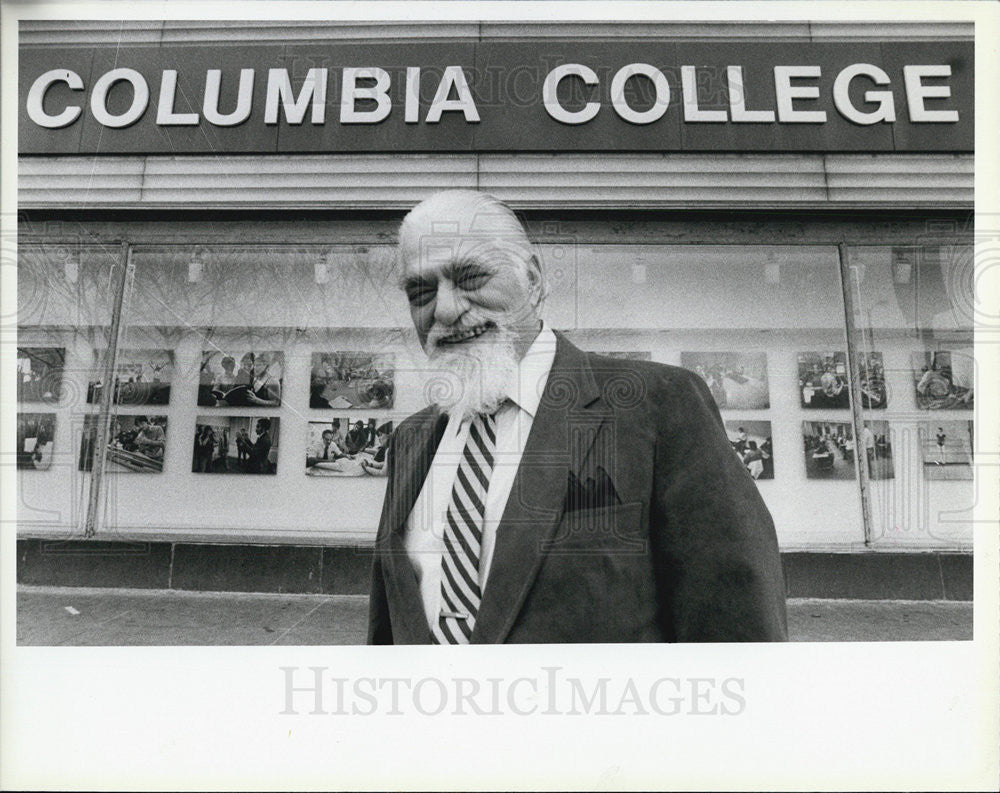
[[48, 616]]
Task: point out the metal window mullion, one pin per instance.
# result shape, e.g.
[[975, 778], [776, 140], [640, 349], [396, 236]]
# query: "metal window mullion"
[[857, 419], [92, 522]]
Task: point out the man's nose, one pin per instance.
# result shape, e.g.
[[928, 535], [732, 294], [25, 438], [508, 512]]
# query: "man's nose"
[[449, 305]]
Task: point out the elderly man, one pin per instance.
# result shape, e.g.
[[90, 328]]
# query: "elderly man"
[[549, 494]]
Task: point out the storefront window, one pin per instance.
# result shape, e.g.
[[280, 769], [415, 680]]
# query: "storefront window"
[[64, 313], [252, 380], [914, 319], [269, 347], [756, 322]]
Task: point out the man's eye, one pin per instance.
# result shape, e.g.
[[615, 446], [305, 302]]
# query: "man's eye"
[[420, 295], [471, 281]]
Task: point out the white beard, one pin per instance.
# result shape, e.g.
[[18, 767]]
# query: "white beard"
[[476, 378]]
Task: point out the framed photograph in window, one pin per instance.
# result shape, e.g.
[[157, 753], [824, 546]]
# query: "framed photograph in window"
[[823, 380], [142, 377], [346, 447], [35, 440], [351, 381], [40, 373], [876, 440], [235, 445], [240, 377], [944, 379], [751, 441], [829, 449], [736, 379], [135, 444], [946, 449]]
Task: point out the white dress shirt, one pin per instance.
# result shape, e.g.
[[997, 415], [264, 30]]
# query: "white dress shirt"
[[425, 524]]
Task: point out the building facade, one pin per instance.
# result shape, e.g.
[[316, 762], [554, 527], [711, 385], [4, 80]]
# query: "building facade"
[[207, 239]]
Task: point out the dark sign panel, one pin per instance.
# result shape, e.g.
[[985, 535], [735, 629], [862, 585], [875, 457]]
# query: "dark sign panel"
[[501, 95]]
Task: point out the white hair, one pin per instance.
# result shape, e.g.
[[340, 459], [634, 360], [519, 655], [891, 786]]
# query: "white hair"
[[490, 217]]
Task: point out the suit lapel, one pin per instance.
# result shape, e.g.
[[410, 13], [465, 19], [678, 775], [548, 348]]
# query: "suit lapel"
[[415, 449], [568, 419]]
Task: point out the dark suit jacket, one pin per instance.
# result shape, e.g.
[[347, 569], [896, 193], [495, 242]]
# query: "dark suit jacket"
[[689, 553]]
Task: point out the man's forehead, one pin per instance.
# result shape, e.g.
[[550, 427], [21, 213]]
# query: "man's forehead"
[[434, 252]]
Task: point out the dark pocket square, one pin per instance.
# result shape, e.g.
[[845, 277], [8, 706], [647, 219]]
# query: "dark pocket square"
[[593, 493]]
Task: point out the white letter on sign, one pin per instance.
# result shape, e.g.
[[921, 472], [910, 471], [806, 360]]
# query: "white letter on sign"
[[165, 114], [36, 99], [99, 98], [244, 102], [841, 97], [660, 83], [689, 91], [453, 76], [279, 88], [738, 100], [551, 101], [917, 92], [350, 93], [785, 94], [411, 110]]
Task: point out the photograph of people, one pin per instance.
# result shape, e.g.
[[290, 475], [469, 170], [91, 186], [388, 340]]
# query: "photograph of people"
[[142, 377], [235, 445], [345, 380], [39, 373], [871, 380], [946, 449], [823, 380], [255, 382], [35, 440], [877, 443], [362, 452], [735, 379], [829, 449], [751, 441], [496, 523], [135, 444], [943, 380]]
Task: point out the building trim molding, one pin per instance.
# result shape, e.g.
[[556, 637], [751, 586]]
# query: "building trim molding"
[[525, 181], [40, 32]]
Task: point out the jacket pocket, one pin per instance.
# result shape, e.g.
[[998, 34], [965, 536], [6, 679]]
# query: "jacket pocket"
[[615, 528]]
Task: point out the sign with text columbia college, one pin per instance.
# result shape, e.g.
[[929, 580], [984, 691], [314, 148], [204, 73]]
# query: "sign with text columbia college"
[[498, 95]]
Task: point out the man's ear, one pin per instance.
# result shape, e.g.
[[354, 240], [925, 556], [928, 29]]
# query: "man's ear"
[[536, 279]]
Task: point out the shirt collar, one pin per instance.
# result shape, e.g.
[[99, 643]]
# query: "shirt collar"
[[528, 381]]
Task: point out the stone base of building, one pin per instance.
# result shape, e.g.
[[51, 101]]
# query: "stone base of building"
[[344, 570]]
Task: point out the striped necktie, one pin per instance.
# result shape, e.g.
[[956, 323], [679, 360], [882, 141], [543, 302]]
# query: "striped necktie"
[[463, 535]]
